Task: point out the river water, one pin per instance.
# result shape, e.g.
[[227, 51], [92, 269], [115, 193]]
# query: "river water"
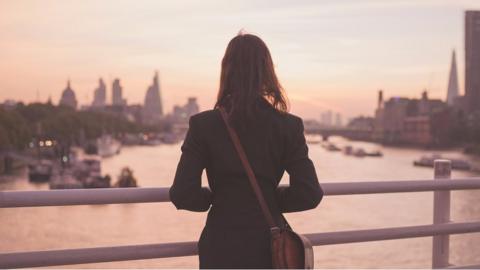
[[42, 228]]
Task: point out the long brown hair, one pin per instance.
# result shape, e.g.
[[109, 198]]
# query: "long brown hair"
[[247, 79]]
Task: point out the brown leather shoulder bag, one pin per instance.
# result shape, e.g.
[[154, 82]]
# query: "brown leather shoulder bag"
[[289, 249]]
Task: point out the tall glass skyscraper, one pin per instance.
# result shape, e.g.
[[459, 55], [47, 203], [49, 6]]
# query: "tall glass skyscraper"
[[117, 96], [153, 109]]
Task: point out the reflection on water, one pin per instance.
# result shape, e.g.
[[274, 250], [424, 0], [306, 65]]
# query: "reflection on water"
[[88, 226]]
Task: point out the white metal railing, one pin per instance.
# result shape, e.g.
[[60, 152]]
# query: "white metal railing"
[[440, 229], [9, 199]]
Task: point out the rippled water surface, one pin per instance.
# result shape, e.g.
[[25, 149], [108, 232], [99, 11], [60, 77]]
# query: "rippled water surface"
[[43, 228]]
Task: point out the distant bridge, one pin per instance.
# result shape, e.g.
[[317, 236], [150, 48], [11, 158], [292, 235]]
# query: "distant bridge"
[[350, 133]]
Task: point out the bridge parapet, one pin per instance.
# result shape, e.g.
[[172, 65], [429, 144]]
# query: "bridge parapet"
[[441, 228]]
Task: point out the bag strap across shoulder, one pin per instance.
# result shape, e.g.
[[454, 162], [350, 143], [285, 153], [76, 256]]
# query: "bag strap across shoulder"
[[249, 171]]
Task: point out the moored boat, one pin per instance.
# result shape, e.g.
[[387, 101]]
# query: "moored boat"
[[40, 171], [332, 147], [108, 146], [360, 152], [374, 154], [65, 180], [348, 150], [429, 161]]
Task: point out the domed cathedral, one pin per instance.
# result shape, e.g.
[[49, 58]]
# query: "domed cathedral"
[[68, 97]]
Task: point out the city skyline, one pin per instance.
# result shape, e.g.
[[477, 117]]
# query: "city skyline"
[[338, 59]]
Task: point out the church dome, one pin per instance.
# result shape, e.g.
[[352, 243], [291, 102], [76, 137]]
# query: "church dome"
[[68, 97]]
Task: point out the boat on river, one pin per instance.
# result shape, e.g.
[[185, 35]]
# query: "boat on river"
[[40, 170], [332, 147], [65, 180], [84, 171], [108, 146], [375, 154], [428, 161], [313, 141], [360, 152], [171, 138]]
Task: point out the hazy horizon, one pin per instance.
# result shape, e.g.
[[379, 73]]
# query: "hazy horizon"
[[329, 55]]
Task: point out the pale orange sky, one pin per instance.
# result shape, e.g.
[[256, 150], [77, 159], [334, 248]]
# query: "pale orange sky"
[[328, 54]]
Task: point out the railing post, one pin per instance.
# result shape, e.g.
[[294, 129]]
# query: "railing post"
[[441, 215]]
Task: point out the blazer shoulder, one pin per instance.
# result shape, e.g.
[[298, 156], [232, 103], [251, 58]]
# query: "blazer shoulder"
[[205, 118], [293, 121]]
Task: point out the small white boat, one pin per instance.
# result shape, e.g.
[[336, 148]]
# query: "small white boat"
[[108, 146], [428, 161]]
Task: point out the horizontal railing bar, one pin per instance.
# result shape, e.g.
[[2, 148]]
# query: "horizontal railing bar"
[[150, 195], [151, 251], [355, 236], [82, 196], [96, 255], [464, 267], [375, 187]]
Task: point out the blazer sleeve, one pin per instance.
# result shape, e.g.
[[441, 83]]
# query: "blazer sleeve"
[[187, 191], [304, 191]]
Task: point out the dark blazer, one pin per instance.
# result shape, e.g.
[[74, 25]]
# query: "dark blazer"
[[236, 234]]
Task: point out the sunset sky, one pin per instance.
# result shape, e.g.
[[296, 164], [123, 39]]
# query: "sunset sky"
[[328, 54]]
